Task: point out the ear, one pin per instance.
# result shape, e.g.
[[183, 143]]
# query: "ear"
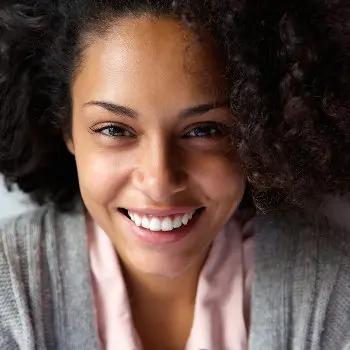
[[70, 145]]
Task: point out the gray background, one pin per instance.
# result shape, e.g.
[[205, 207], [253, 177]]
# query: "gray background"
[[12, 203]]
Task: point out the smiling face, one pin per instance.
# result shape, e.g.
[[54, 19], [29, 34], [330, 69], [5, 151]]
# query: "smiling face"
[[151, 139]]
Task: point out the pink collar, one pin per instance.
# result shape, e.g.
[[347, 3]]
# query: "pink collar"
[[222, 294]]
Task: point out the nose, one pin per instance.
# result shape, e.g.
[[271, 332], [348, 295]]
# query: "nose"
[[160, 174]]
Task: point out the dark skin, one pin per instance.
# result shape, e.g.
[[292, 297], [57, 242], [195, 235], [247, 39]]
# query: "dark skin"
[[158, 90]]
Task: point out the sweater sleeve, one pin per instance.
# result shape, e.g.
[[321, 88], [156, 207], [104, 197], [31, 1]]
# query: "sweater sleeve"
[[301, 287], [23, 292], [334, 256], [11, 321]]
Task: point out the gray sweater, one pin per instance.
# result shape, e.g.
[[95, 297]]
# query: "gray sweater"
[[300, 293]]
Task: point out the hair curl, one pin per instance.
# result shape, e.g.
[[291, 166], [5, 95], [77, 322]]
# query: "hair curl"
[[287, 63]]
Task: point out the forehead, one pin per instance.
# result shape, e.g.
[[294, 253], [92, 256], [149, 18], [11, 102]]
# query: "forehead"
[[152, 55]]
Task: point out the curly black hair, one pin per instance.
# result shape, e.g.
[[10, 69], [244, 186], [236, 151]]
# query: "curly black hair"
[[287, 63]]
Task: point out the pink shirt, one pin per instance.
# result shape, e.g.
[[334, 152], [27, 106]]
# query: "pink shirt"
[[222, 301]]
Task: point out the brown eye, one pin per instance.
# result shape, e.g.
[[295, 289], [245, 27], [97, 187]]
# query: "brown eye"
[[112, 130], [210, 130]]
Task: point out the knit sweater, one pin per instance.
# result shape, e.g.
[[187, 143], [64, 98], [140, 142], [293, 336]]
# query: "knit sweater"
[[300, 291]]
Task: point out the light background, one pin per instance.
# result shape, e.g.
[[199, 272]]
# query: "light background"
[[12, 204]]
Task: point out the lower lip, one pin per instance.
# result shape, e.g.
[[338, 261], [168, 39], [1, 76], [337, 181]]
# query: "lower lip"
[[162, 237]]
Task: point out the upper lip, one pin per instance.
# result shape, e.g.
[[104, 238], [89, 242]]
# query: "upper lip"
[[162, 212]]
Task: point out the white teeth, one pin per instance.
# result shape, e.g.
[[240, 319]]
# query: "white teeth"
[[166, 223], [155, 225], [177, 223], [145, 223], [185, 219], [137, 220]]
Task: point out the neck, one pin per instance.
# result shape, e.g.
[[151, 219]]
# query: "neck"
[[144, 288]]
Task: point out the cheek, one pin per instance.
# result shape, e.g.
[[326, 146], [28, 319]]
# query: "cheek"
[[102, 174], [221, 179]]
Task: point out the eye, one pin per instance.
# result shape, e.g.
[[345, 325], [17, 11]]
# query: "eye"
[[113, 130], [207, 130]]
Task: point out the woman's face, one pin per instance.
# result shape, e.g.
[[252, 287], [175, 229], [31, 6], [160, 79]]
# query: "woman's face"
[[151, 142]]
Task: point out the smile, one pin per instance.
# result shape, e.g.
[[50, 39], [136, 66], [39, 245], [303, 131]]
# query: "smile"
[[156, 223]]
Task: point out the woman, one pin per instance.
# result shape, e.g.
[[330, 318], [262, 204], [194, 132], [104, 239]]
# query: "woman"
[[147, 128]]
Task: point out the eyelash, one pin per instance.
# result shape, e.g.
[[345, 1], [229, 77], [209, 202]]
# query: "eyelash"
[[220, 130], [117, 129]]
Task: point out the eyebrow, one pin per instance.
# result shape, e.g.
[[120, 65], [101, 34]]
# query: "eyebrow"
[[131, 113]]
